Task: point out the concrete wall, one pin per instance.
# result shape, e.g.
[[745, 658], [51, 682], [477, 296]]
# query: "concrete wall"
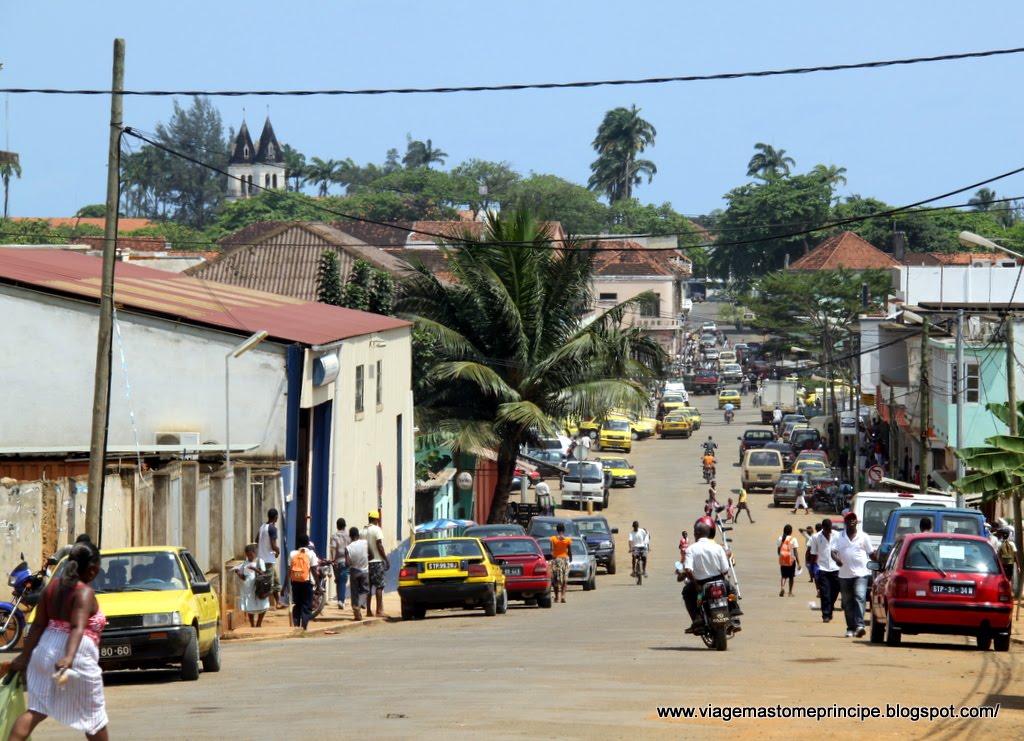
[[175, 375], [958, 284]]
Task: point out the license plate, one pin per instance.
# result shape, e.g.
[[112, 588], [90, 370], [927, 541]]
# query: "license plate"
[[512, 570], [965, 590], [763, 476], [433, 566], [115, 652]]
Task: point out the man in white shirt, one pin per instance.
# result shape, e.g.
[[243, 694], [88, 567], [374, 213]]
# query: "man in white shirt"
[[543, 492], [639, 544], [379, 564], [268, 550], [852, 552], [821, 546], [777, 420], [358, 561], [705, 560], [585, 442]]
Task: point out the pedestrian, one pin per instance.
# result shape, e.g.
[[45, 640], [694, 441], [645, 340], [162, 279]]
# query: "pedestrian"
[[777, 420], [1007, 550], [711, 505], [821, 547], [917, 475], [339, 542], [358, 562], [379, 564], [254, 607], [730, 510], [852, 552], [543, 492], [684, 543], [64, 551], [810, 561], [789, 559], [905, 470], [65, 637], [925, 524], [560, 546], [801, 496], [268, 551], [300, 573], [585, 442], [742, 506]]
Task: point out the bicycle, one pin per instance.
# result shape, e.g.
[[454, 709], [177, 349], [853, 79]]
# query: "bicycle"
[[638, 565]]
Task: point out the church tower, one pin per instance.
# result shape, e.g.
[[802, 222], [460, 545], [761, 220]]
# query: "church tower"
[[254, 167]]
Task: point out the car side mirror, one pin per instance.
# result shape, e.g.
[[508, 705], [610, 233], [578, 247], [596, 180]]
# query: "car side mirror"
[[201, 587], [615, 531], [874, 566]]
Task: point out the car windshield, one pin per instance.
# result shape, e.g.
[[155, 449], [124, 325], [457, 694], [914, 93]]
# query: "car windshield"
[[615, 463], [810, 465], [672, 398], [592, 526], [758, 435], [152, 571], [579, 548], [544, 528], [517, 547], [485, 531], [592, 472], [763, 458], [619, 425], [446, 548], [951, 555], [875, 515]]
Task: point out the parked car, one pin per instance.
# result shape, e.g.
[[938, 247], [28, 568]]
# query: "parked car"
[[622, 474], [710, 353], [761, 469], [709, 327], [726, 357], [942, 583], [784, 492], [785, 451], [812, 455], [808, 465], [549, 463], [582, 565], [705, 382], [731, 372], [872, 508], [598, 536], [806, 439], [754, 438], [905, 520], [161, 610], [527, 576], [450, 572], [729, 396], [693, 415], [675, 424], [673, 400], [543, 527], [491, 531], [615, 433], [532, 478]]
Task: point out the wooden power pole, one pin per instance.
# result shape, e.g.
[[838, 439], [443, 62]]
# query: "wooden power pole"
[[104, 335], [1011, 393], [926, 421]]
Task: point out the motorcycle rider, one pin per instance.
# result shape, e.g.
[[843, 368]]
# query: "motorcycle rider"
[[709, 465], [730, 410], [710, 446], [705, 560]]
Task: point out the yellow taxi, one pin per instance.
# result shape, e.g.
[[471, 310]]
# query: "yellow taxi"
[[450, 572], [807, 465], [693, 415], [589, 426], [728, 396], [622, 474], [616, 432], [641, 427], [673, 401], [676, 424], [160, 610]]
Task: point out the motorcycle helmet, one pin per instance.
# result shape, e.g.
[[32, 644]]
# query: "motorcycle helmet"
[[710, 523]]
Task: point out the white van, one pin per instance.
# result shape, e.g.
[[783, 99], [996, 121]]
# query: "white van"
[[585, 481], [873, 508]]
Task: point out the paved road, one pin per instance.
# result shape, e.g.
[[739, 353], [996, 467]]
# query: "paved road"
[[596, 667]]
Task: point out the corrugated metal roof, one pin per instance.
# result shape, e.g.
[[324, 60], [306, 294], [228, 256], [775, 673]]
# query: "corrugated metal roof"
[[191, 299]]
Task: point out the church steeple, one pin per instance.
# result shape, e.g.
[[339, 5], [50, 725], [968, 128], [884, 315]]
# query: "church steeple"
[[269, 151], [252, 169], [243, 152]]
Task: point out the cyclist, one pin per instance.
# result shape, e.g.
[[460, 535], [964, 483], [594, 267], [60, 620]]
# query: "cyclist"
[[639, 545]]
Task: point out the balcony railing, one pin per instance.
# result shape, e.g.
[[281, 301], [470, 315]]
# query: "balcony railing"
[[657, 322]]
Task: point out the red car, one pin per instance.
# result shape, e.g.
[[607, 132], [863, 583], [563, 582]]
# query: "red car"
[[942, 583], [527, 576]]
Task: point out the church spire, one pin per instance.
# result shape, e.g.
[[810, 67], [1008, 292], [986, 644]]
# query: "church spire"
[[269, 150], [243, 152]]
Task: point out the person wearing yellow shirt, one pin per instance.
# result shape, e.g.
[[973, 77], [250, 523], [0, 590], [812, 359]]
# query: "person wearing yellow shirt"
[[742, 506]]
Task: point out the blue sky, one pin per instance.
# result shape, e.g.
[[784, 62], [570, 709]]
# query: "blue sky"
[[902, 133]]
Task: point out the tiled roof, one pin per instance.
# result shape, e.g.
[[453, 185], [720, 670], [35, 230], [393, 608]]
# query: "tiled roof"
[[953, 258], [190, 299], [625, 258], [123, 225], [845, 250], [135, 244], [284, 257]]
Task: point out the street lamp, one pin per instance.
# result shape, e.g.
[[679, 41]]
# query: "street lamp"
[[970, 239], [241, 349]]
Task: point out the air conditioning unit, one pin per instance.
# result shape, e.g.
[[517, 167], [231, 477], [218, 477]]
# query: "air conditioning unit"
[[179, 439]]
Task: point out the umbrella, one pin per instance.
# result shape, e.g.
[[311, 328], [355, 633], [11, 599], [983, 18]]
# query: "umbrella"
[[442, 524]]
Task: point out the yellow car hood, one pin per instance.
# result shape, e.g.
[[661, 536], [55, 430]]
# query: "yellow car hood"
[[114, 604], [621, 471]]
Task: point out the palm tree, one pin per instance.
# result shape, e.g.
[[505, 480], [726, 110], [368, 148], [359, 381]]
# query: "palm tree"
[[509, 352], [6, 170], [321, 173], [769, 162], [621, 136], [982, 200], [421, 154], [294, 165]]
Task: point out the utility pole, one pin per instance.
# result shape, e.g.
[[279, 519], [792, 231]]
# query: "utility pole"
[[926, 421], [958, 399], [104, 336], [1011, 392]]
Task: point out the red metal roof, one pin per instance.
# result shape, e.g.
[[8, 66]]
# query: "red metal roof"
[[191, 299]]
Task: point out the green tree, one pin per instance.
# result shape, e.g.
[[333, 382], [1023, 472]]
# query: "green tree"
[[270, 205], [510, 354], [92, 211], [629, 216], [621, 136], [769, 161], [328, 279], [358, 287], [145, 182], [482, 185], [294, 165], [7, 169], [550, 197], [421, 154], [321, 173]]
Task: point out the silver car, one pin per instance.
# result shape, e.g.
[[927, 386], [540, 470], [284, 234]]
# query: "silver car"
[[785, 489], [582, 565]]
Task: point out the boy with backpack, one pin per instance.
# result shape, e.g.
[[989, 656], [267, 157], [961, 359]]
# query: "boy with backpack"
[[1007, 551], [789, 559], [300, 574]]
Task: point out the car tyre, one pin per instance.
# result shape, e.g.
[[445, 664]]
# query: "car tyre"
[[190, 660], [611, 566], [491, 604], [503, 603], [984, 641], [407, 611], [1001, 641], [634, 435], [593, 581], [877, 631], [544, 601], [419, 612], [587, 585], [211, 662], [893, 635]]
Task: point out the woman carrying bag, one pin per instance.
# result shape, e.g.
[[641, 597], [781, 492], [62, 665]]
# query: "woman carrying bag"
[[61, 653]]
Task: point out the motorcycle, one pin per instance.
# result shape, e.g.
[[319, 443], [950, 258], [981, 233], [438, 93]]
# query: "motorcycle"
[[716, 625], [322, 574], [709, 473], [729, 414], [28, 588]]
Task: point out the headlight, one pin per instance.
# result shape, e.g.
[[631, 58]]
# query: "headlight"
[[161, 619], [604, 544]]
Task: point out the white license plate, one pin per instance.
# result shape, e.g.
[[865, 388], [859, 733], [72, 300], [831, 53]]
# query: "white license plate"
[[115, 652], [442, 565], [512, 570], [965, 590]]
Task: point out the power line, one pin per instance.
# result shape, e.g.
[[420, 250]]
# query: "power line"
[[536, 85]]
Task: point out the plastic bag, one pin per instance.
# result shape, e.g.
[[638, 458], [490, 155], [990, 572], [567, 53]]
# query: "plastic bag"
[[12, 701]]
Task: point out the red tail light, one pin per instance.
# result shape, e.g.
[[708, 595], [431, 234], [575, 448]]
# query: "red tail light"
[[540, 568], [1004, 590], [477, 569], [409, 572], [716, 591], [899, 586]]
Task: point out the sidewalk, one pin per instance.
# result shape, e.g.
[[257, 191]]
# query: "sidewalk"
[[277, 623]]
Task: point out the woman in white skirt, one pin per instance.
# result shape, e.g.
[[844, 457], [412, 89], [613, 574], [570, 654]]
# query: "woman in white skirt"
[[62, 653]]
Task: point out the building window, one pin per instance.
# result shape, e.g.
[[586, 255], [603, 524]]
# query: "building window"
[[359, 389], [380, 382], [266, 181], [273, 181], [972, 383], [607, 297], [651, 306], [245, 151]]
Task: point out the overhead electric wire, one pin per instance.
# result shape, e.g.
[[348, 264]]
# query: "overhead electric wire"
[[536, 85]]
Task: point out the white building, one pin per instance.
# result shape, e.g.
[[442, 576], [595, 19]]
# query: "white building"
[[252, 168]]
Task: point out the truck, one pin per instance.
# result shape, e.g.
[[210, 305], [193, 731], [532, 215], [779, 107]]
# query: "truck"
[[585, 481], [705, 382], [781, 394]]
